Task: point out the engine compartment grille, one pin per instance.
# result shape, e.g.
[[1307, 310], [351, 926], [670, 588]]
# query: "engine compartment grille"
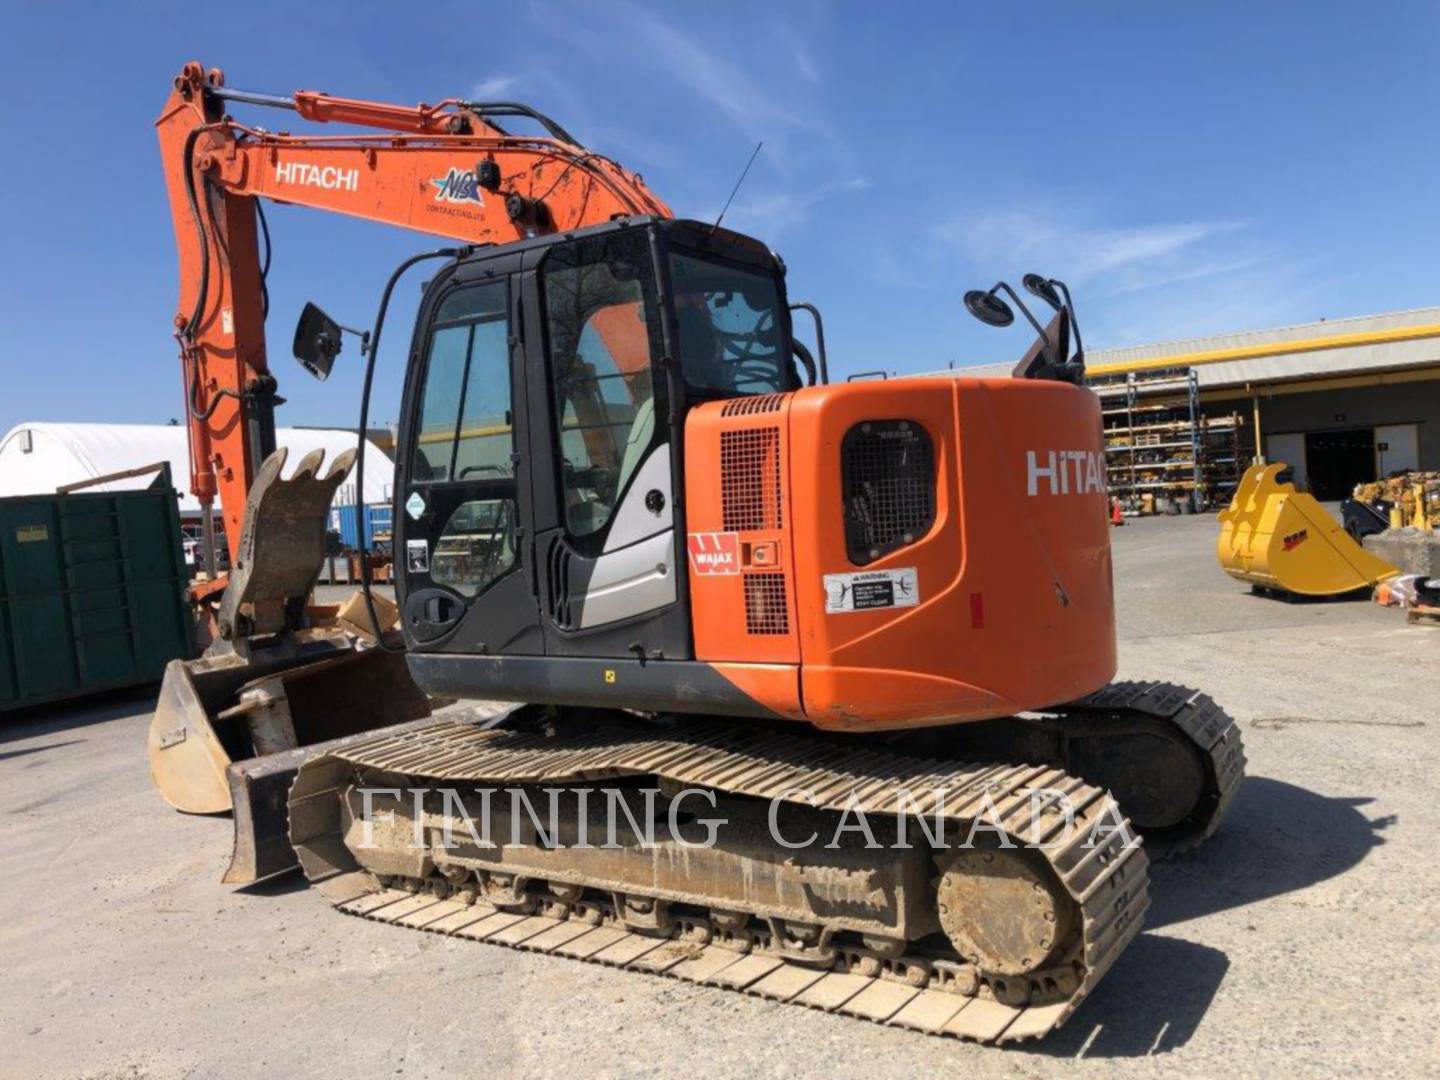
[[888, 476], [750, 494], [765, 608]]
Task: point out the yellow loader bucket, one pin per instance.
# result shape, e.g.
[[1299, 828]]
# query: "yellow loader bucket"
[[1275, 537]]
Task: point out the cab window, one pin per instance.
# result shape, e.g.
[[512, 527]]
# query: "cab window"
[[600, 336], [464, 430], [732, 328]]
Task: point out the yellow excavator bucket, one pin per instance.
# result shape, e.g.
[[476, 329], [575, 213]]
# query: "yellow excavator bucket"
[[1275, 537]]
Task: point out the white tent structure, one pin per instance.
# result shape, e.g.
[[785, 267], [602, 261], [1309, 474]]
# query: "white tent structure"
[[36, 458]]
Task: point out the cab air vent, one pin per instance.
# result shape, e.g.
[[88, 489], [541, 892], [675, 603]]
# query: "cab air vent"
[[750, 406]]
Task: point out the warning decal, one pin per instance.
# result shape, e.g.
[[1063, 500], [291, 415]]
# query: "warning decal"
[[715, 553], [871, 589]]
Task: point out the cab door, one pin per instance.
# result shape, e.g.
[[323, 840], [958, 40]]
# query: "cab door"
[[605, 449], [464, 585]]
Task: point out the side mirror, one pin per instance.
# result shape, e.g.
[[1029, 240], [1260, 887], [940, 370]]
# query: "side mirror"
[[1044, 288], [988, 308], [317, 342]]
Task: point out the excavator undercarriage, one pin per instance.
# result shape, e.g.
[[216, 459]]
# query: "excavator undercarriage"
[[981, 941], [980, 898]]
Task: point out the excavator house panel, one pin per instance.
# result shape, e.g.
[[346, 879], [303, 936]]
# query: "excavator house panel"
[[905, 538]]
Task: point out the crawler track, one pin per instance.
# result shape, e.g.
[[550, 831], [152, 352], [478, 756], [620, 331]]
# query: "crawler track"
[[1202, 723], [927, 989]]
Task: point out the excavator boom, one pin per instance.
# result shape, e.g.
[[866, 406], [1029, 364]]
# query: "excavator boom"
[[448, 169]]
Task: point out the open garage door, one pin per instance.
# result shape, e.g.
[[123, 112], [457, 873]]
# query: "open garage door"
[[1338, 460]]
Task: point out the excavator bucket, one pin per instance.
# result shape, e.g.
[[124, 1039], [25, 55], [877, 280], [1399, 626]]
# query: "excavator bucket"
[[1275, 537], [278, 684]]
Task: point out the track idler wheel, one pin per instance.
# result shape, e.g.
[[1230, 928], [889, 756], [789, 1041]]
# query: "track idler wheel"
[[1002, 910], [1157, 775]]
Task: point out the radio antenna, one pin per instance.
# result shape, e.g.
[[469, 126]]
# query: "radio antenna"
[[743, 173]]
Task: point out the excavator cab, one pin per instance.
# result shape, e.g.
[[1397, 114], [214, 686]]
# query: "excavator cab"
[[542, 436]]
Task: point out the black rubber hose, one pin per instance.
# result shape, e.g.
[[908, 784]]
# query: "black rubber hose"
[[264, 263], [215, 398], [371, 350], [204, 287], [805, 358]]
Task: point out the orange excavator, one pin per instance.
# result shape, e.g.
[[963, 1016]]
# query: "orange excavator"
[[723, 593]]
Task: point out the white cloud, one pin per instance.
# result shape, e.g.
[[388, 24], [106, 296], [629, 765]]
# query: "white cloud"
[[1123, 258], [1140, 283], [766, 215], [736, 91], [495, 88], [713, 77]]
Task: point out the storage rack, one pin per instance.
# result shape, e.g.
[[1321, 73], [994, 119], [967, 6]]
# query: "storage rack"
[[1222, 458], [1161, 453]]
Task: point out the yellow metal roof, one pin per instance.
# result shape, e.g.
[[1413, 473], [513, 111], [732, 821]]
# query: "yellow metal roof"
[[1313, 337]]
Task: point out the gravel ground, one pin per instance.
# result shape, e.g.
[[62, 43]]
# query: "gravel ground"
[[1299, 940]]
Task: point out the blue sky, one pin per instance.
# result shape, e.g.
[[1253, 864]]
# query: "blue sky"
[[1186, 168]]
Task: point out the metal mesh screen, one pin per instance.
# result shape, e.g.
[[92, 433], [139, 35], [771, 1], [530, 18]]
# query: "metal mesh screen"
[[749, 406], [750, 479], [765, 611], [888, 475]]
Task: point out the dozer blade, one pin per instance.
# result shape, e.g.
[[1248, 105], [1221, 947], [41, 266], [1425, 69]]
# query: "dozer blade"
[[1275, 537], [273, 685], [260, 791]]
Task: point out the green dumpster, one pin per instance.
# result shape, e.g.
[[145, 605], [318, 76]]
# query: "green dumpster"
[[92, 592]]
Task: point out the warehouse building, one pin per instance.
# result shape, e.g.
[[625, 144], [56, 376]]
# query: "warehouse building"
[[37, 458], [1342, 401]]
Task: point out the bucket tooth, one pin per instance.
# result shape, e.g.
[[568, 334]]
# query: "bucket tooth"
[[282, 546]]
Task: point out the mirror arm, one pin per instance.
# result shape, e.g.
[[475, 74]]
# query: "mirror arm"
[[1074, 322], [363, 335], [1001, 286], [1039, 330]]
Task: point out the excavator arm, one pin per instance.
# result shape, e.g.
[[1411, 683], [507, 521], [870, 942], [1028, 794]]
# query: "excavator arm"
[[278, 683], [450, 170]]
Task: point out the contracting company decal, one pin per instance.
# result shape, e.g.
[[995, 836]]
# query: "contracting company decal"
[[303, 174], [715, 554], [457, 186], [1063, 472], [871, 589]]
